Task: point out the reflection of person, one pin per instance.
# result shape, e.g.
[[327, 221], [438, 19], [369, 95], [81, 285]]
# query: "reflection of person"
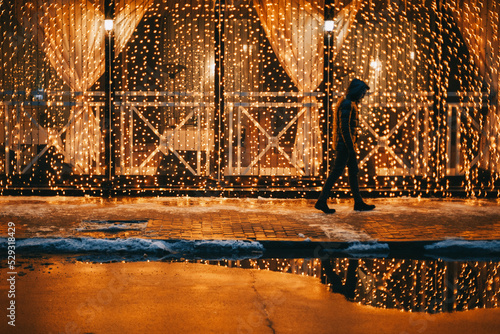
[[345, 122], [329, 276]]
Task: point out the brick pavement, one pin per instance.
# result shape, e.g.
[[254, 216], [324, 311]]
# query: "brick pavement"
[[394, 219]]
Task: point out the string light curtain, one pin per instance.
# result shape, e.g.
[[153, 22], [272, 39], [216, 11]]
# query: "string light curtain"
[[424, 119], [23, 74], [180, 68], [295, 32], [165, 92], [479, 24], [343, 22], [385, 47], [128, 15], [71, 34]]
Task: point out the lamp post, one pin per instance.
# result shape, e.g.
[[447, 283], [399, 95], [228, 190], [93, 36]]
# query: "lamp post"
[[329, 26], [109, 149]]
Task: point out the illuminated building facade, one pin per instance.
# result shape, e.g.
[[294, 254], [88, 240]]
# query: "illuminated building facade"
[[206, 95]]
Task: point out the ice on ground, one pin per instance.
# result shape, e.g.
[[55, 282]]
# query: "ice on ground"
[[43, 229], [341, 231], [112, 226]]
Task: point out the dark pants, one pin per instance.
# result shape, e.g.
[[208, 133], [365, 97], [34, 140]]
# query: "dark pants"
[[343, 159]]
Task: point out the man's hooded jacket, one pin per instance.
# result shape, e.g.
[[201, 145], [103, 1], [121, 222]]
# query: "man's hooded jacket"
[[346, 110]]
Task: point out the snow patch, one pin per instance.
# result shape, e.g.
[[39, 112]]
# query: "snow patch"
[[342, 232], [460, 245], [42, 229], [135, 245], [366, 249]]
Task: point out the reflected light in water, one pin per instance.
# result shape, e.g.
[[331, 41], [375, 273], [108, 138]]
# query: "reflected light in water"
[[431, 286]]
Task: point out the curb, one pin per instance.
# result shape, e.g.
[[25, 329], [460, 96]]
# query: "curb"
[[421, 249], [451, 249]]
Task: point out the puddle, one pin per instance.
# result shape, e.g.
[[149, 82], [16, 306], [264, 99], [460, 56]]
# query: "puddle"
[[414, 284], [429, 286], [112, 226], [75, 293]]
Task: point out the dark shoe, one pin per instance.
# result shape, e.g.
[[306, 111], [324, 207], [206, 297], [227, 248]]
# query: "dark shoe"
[[362, 206], [320, 205]]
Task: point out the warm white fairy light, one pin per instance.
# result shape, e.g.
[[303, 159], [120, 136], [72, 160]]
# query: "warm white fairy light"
[[416, 136]]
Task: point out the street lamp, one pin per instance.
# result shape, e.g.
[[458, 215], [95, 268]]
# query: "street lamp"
[[329, 26], [108, 25]]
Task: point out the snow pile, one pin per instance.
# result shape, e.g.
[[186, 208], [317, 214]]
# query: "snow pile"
[[460, 247], [135, 246], [367, 248], [83, 245]]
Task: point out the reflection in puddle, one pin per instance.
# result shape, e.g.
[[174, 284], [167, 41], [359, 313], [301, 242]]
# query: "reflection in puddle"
[[431, 286]]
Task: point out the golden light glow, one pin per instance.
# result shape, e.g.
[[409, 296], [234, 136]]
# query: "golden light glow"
[[209, 96], [431, 286]]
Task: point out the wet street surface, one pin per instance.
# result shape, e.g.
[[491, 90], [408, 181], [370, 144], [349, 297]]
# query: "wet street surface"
[[336, 295], [192, 218], [221, 265]]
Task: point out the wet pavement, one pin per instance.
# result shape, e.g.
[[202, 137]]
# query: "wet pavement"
[[61, 296], [261, 219], [203, 265]]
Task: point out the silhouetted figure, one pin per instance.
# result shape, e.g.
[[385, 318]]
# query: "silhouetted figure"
[[345, 123], [348, 289]]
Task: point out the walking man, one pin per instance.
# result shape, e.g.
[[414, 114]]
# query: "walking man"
[[345, 124]]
